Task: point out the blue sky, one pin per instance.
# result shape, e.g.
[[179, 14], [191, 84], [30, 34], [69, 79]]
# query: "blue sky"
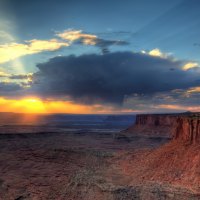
[[167, 29], [172, 26]]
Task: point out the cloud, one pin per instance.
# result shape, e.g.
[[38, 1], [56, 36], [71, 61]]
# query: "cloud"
[[28, 76], [110, 78], [4, 74], [190, 65], [8, 77], [7, 87], [73, 35], [105, 44], [12, 51], [174, 100], [89, 39], [31, 104], [193, 90], [14, 84], [157, 53]]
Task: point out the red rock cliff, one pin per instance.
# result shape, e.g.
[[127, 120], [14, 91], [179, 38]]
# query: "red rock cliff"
[[154, 120], [183, 126], [187, 129], [178, 161], [153, 124]]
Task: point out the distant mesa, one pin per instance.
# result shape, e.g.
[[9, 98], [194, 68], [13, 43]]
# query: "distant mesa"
[[153, 124], [179, 126]]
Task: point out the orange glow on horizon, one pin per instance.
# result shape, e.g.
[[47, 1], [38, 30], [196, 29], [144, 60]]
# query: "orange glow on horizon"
[[178, 107], [36, 105], [30, 105]]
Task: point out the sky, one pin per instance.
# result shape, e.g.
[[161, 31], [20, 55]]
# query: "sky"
[[108, 56]]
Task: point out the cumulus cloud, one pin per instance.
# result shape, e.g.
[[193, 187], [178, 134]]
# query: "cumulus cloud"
[[190, 65], [89, 39], [110, 78], [72, 35], [157, 53], [12, 51]]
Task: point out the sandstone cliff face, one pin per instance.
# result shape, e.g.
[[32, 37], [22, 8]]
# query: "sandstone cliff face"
[[154, 119], [177, 162], [153, 124], [182, 126], [187, 129]]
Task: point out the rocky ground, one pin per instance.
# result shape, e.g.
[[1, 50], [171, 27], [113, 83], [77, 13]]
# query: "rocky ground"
[[61, 166]]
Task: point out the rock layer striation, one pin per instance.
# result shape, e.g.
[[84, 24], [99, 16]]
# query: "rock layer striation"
[[153, 124], [187, 129]]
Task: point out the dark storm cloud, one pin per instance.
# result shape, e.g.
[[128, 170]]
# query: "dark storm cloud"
[[110, 77], [6, 87], [104, 44]]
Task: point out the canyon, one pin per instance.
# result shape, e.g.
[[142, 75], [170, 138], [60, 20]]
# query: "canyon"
[[187, 128], [156, 158], [182, 126], [177, 162], [152, 124]]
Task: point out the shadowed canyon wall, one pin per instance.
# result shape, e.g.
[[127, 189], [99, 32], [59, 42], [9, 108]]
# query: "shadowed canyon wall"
[[153, 124], [182, 126], [187, 129]]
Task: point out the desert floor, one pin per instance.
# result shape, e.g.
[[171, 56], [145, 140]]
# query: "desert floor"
[[75, 166]]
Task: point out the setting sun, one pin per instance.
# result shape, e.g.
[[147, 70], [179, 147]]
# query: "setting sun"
[[31, 100], [31, 105], [36, 105]]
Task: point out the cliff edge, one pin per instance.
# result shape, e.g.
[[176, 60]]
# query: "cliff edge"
[[177, 162], [153, 124], [187, 128]]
